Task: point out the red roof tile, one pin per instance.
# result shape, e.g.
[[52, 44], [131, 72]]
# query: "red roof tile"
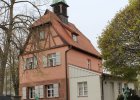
[[82, 44]]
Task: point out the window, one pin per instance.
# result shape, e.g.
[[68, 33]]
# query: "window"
[[42, 35], [82, 89], [74, 37], [89, 63], [31, 62], [39, 91], [31, 92], [52, 90], [52, 60]]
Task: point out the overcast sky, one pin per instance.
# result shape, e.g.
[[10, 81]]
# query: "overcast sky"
[[89, 16], [92, 16]]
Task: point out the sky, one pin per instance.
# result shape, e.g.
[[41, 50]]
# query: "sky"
[[92, 16], [89, 16]]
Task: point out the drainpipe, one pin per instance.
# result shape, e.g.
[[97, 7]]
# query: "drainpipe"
[[66, 69], [103, 78]]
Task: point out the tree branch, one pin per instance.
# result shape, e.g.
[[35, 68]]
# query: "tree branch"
[[31, 4], [1, 52], [5, 3], [20, 15], [4, 28]]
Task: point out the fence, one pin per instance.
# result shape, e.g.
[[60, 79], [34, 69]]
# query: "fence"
[[10, 98]]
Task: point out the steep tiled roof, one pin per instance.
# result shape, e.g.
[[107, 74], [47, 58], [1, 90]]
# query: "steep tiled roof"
[[83, 43]]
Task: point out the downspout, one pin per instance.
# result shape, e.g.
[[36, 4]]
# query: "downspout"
[[103, 78], [66, 69]]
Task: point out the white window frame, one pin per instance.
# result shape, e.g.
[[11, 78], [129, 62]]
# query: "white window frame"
[[52, 60], [31, 92], [50, 90], [42, 35], [74, 37], [82, 89], [31, 63], [53, 90]]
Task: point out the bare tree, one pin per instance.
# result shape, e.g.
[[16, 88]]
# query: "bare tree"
[[13, 26]]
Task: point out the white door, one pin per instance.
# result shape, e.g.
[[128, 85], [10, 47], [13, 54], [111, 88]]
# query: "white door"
[[111, 91]]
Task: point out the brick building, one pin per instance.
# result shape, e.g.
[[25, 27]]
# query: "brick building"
[[58, 62]]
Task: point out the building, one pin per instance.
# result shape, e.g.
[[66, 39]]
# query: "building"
[[58, 62], [113, 86]]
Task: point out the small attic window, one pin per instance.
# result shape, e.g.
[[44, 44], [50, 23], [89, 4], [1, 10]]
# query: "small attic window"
[[74, 37], [41, 35]]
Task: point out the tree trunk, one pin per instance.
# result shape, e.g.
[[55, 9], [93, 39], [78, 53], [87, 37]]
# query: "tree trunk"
[[6, 50], [16, 88], [2, 74], [1, 83]]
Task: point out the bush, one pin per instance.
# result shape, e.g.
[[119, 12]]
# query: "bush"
[[133, 97], [120, 97]]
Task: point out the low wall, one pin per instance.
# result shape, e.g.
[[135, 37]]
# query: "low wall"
[[10, 98]]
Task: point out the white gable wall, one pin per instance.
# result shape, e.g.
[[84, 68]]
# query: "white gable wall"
[[81, 75]]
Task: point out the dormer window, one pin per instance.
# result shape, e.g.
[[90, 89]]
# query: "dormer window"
[[41, 35], [74, 37]]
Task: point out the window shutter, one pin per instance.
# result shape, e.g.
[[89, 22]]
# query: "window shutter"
[[58, 58], [44, 61], [36, 91], [24, 64], [56, 90], [35, 61], [24, 93], [41, 91]]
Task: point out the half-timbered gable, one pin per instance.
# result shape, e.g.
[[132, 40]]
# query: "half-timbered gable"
[[42, 38]]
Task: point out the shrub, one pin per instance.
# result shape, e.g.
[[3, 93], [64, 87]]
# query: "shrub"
[[120, 97]]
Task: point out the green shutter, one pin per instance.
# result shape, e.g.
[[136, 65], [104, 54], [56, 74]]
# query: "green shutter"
[[24, 93], [24, 64], [41, 91], [45, 61], [58, 58], [36, 91], [35, 61], [56, 90]]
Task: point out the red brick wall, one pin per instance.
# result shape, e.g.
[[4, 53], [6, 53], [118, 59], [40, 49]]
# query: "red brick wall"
[[44, 76], [62, 88], [80, 59]]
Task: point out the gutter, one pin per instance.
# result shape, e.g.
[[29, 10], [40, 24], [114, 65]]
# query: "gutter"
[[66, 69]]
